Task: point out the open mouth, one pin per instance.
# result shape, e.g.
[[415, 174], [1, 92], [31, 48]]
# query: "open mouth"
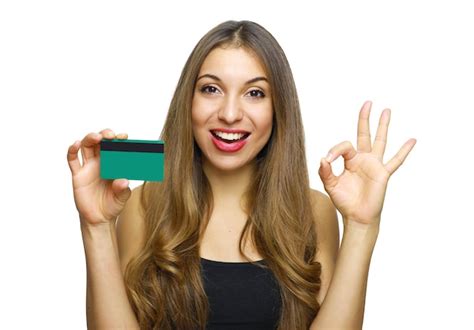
[[230, 141]]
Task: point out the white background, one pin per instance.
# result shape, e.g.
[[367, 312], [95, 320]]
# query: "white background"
[[68, 68]]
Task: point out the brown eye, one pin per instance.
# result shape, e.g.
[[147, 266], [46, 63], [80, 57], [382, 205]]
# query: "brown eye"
[[209, 89], [256, 93]]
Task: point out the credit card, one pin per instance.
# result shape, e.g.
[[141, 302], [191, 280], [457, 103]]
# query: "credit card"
[[132, 159]]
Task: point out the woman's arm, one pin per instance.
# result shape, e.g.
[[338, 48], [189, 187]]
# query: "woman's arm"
[[358, 193], [343, 305], [99, 203], [107, 305]]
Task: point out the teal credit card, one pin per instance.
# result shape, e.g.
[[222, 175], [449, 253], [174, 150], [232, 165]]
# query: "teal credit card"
[[132, 159]]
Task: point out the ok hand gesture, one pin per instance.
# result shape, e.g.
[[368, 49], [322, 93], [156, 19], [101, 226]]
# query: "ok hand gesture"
[[359, 192]]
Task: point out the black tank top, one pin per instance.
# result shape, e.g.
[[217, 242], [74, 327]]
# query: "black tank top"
[[241, 295]]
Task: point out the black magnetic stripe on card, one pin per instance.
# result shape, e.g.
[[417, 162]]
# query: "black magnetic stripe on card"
[[132, 146]]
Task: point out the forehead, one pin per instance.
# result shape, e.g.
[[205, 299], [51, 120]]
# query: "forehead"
[[232, 62]]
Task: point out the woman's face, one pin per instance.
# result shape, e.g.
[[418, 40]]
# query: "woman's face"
[[232, 93]]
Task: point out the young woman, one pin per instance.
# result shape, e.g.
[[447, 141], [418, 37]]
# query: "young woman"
[[233, 238]]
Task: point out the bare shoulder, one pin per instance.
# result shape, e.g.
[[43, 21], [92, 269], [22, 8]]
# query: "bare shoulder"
[[321, 200], [325, 216], [130, 228], [327, 231]]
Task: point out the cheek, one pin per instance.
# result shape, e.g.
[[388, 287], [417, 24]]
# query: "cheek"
[[196, 106], [195, 109], [196, 123], [199, 124], [265, 120], [201, 113], [196, 115]]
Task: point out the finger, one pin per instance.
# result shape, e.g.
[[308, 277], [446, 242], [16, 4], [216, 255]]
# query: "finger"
[[121, 190], [88, 144], [72, 159], [118, 185], [327, 176], [364, 143], [107, 134], [400, 157], [122, 136], [381, 137], [345, 149]]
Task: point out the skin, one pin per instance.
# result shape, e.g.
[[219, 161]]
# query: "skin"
[[99, 202], [358, 194], [224, 98]]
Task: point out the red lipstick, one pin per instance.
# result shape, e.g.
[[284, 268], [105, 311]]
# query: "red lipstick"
[[229, 130], [228, 147]]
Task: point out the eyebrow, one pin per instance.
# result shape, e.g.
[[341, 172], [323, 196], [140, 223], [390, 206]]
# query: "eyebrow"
[[251, 81]]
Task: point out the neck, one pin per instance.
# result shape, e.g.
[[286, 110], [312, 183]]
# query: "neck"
[[228, 187]]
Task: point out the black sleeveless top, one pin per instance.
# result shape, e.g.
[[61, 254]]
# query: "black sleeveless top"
[[241, 295]]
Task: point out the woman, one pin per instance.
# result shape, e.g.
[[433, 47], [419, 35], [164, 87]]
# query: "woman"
[[233, 238]]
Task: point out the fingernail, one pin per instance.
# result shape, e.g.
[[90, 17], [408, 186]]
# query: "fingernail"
[[329, 157]]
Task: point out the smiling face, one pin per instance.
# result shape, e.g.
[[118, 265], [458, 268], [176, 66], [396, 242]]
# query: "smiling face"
[[231, 93]]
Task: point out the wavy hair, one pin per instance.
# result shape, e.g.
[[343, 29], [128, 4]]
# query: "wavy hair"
[[163, 281]]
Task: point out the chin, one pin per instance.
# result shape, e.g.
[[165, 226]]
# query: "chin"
[[227, 165]]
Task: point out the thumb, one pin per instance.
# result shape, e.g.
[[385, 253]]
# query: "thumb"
[[121, 190], [327, 176]]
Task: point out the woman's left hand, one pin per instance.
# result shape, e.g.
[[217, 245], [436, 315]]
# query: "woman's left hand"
[[359, 192]]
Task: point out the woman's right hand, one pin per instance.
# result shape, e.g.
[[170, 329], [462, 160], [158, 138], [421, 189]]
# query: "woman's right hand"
[[98, 201]]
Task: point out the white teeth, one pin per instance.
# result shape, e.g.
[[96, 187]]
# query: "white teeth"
[[229, 136]]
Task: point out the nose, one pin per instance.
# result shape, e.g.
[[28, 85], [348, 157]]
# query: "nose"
[[230, 110]]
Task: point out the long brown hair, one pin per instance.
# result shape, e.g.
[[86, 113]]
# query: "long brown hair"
[[164, 281]]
